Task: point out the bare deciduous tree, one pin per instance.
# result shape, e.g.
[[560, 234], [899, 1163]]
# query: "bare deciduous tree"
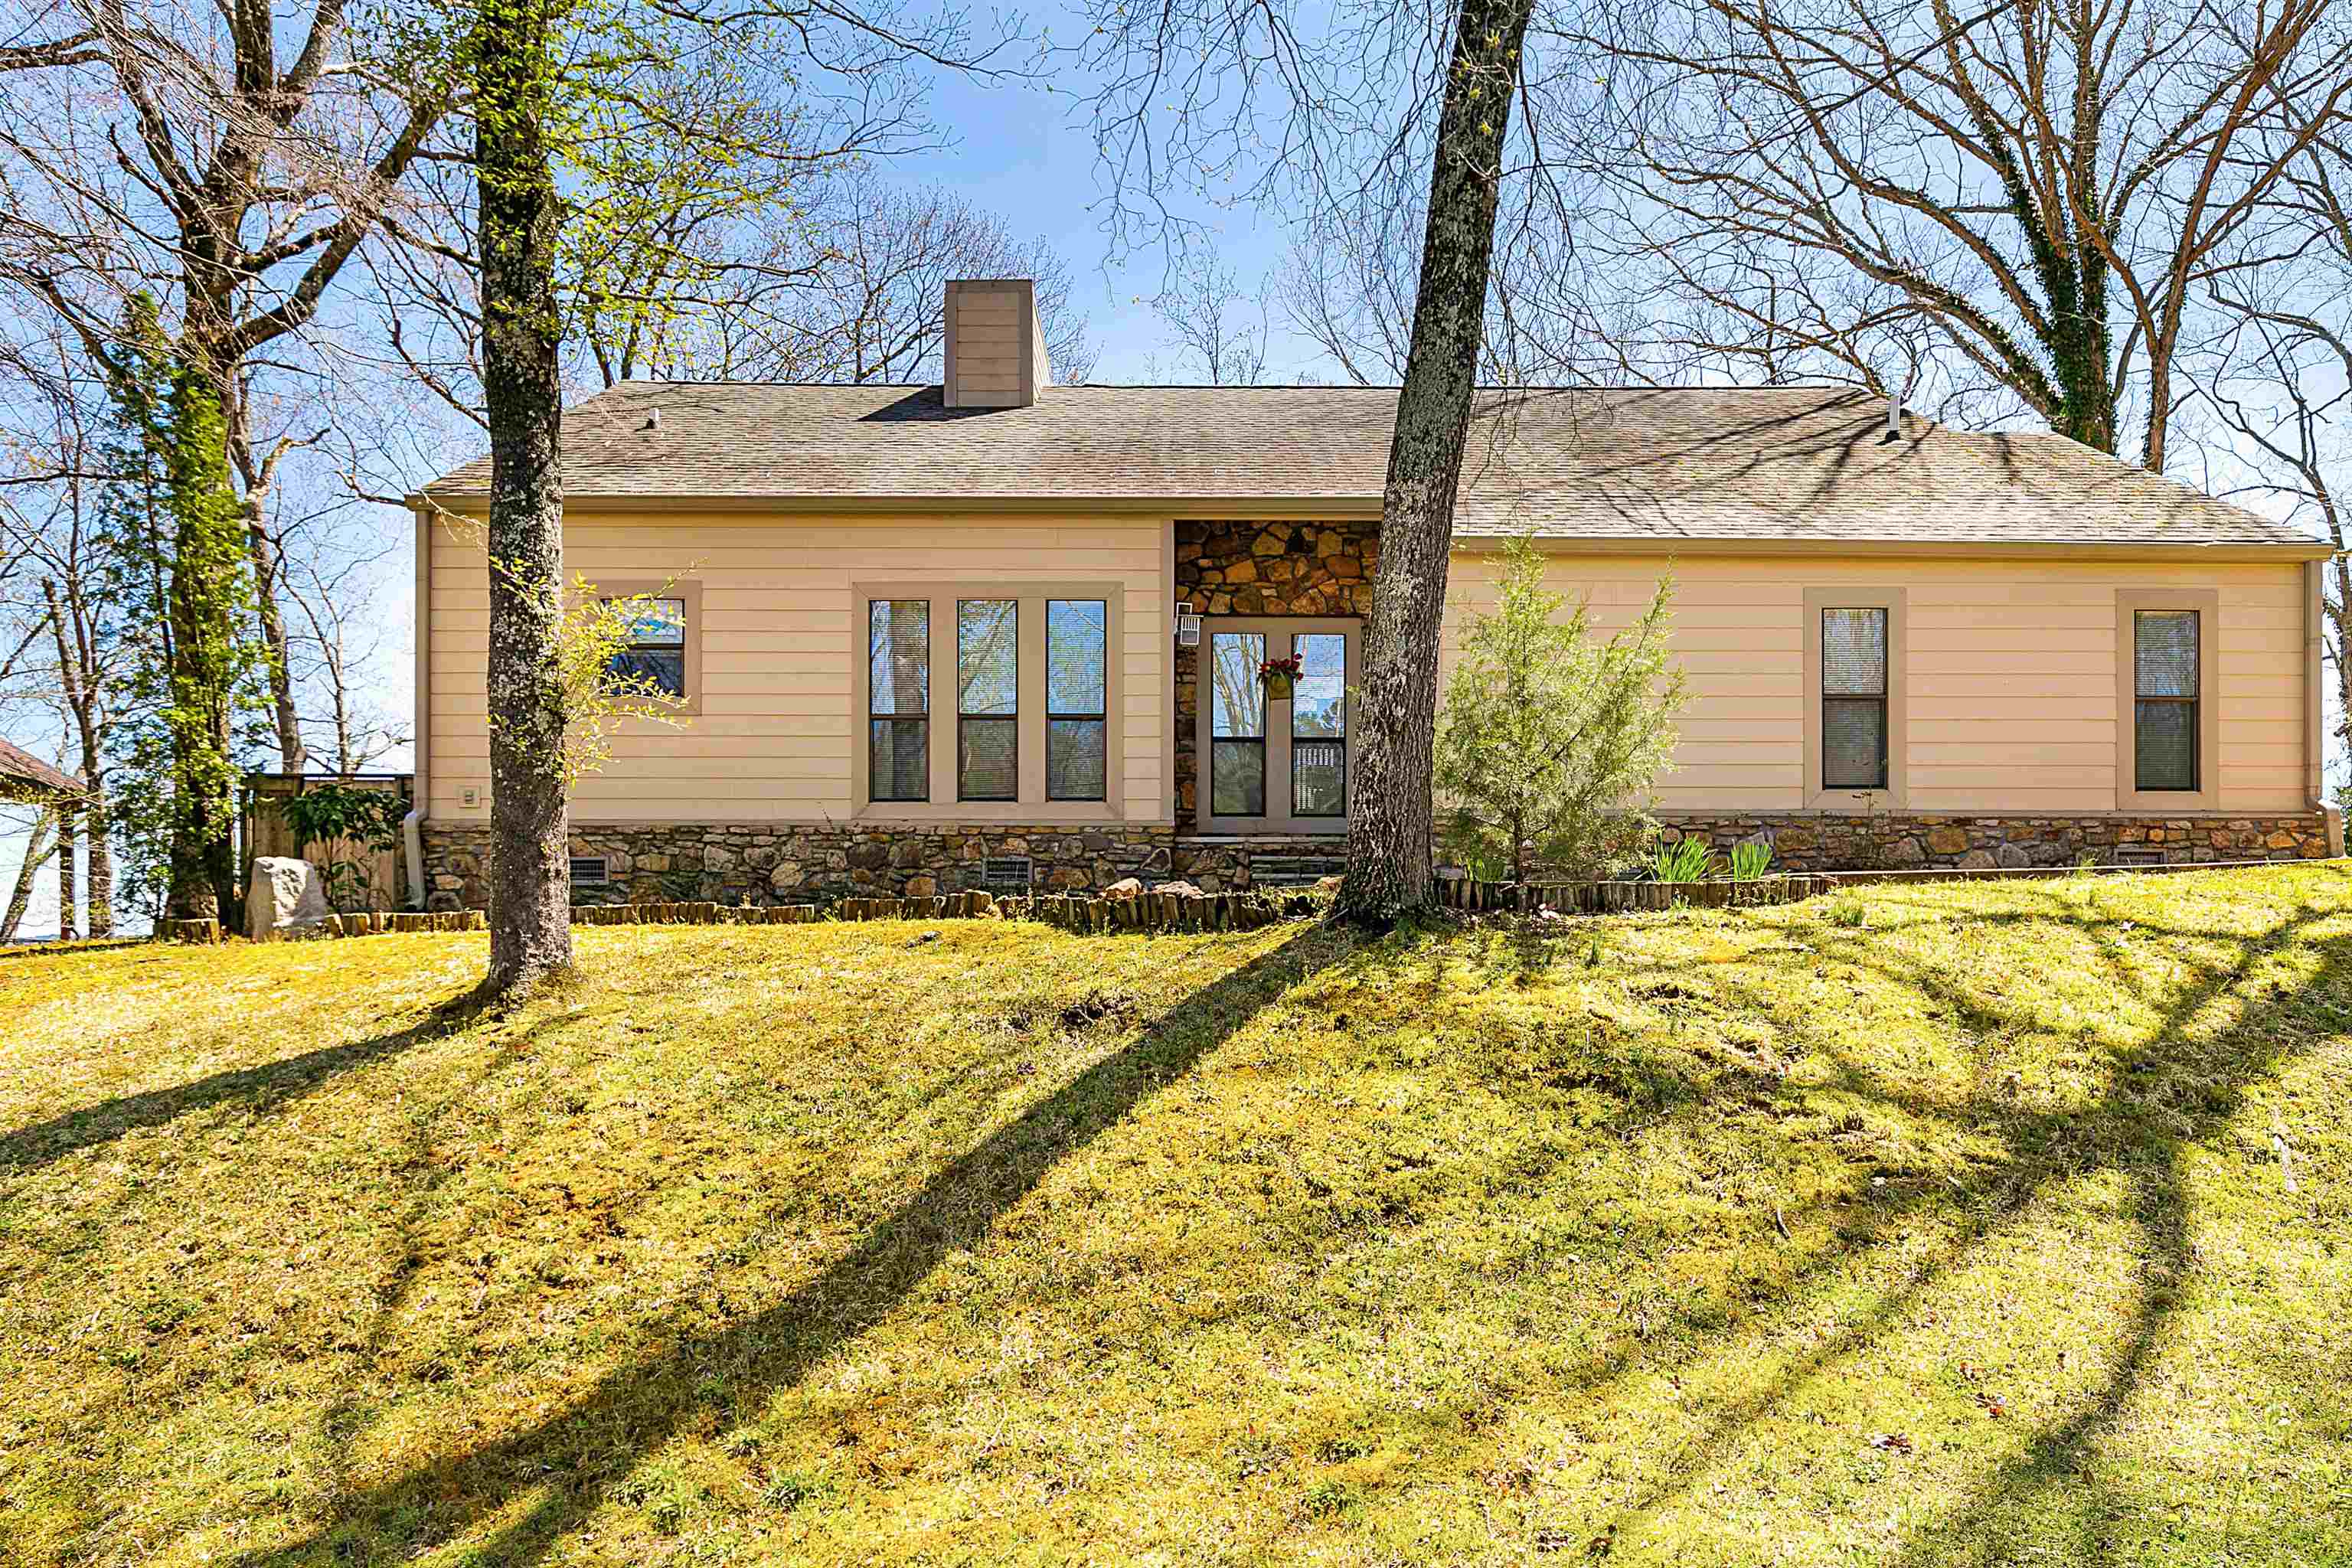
[[2276, 380], [2025, 203], [1214, 323]]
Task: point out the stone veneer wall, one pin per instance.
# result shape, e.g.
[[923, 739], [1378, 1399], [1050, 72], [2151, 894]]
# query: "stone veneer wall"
[[1905, 841], [1230, 567], [818, 864]]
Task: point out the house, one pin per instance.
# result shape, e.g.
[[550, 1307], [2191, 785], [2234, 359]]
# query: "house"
[[926, 636]]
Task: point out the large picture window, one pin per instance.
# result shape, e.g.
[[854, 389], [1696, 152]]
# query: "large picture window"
[[987, 702], [1853, 698], [1077, 698], [899, 698], [988, 699], [2165, 683]]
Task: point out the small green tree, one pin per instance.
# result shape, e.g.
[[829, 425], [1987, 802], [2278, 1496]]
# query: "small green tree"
[[1551, 739]]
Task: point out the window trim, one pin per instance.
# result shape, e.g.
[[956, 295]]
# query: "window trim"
[[1030, 807], [1894, 600], [2207, 795], [688, 591]]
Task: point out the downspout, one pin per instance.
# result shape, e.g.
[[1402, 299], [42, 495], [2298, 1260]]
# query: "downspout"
[[2315, 702], [412, 826]]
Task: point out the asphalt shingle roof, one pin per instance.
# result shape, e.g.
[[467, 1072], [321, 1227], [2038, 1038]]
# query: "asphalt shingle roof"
[[1784, 464], [24, 776]]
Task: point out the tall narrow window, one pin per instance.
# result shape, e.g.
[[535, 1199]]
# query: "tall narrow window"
[[1318, 726], [2165, 682], [988, 699], [653, 661], [1237, 724], [1853, 698], [1076, 656], [898, 686]]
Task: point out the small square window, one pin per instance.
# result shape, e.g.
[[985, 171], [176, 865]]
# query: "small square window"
[[652, 662]]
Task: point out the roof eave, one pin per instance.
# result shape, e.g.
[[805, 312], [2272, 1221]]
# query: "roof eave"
[[471, 502]]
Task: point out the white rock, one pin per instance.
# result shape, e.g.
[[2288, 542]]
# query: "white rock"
[[1125, 887], [288, 898]]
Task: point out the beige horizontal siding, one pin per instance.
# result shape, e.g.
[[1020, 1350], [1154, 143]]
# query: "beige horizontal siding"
[[2010, 676], [775, 739], [2011, 680]]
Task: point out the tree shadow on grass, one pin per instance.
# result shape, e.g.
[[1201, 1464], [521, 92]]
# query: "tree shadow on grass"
[[596, 1439], [265, 1084], [2180, 1085]]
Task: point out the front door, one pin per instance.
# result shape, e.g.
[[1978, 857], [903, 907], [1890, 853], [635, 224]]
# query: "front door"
[[1272, 762]]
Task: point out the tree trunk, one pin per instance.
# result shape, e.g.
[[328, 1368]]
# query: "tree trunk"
[[530, 930], [102, 868], [36, 850], [1391, 819], [293, 756], [206, 595], [68, 879]]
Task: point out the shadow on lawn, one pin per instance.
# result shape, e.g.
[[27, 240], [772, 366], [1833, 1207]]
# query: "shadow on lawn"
[[598, 1438], [261, 1086], [2179, 1085]]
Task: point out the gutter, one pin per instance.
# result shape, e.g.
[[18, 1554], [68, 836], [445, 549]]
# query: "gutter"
[[412, 826]]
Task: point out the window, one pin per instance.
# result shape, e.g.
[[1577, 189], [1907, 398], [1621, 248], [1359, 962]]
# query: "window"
[[1853, 698], [2166, 679], [590, 871], [1270, 749], [653, 661], [1318, 726], [899, 688], [1076, 664], [988, 699], [1236, 724]]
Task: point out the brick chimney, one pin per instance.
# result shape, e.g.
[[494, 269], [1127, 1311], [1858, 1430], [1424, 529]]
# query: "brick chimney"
[[996, 352]]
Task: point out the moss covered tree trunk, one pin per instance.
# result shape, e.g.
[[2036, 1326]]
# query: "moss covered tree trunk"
[[208, 595], [1391, 818], [517, 220]]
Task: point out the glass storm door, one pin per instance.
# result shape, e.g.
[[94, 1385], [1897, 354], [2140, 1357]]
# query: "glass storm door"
[[1271, 761]]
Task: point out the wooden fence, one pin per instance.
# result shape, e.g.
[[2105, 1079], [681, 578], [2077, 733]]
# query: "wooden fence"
[[379, 877]]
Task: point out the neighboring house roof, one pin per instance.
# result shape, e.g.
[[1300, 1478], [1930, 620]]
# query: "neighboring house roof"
[[1786, 465], [24, 776]]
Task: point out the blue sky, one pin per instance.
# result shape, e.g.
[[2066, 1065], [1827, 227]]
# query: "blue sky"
[[1022, 151]]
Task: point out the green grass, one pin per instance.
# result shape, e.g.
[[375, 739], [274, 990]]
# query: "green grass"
[[1919, 1225]]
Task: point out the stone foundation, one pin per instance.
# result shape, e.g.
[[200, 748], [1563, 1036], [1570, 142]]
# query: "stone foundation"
[[796, 865], [1902, 841]]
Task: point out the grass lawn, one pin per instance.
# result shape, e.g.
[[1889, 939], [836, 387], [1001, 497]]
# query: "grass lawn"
[[1927, 1225]]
